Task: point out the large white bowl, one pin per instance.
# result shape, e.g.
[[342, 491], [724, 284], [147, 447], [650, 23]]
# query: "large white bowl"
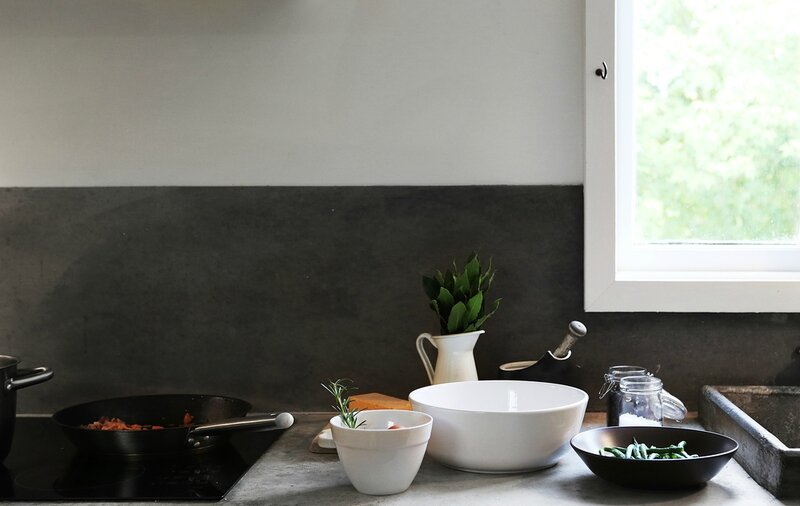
[[500, 426], [379, 460]]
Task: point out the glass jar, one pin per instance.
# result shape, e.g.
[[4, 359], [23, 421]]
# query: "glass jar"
[[611, 388], [645, 402]]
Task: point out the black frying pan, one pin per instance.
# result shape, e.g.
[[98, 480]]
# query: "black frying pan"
[[214, 416]]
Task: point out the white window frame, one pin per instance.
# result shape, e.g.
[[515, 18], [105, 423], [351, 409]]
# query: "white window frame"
[[622, 276]]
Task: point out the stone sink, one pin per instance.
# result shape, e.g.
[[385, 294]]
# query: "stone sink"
[[765, 420]]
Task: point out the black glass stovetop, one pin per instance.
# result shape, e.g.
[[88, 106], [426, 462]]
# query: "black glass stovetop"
[[44, 466]]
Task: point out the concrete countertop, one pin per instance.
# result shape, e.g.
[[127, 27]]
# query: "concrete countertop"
[[288, 474]]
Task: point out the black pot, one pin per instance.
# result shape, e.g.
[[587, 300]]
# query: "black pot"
[[12, 380]]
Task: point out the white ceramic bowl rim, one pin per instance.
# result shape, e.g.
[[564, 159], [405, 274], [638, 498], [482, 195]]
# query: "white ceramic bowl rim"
[[583, 397], [337, 420]]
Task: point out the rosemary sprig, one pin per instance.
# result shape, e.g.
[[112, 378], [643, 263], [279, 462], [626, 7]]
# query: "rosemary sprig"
[[340, 390]]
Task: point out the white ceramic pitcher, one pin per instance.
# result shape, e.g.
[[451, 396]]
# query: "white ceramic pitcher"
[[454, 360]]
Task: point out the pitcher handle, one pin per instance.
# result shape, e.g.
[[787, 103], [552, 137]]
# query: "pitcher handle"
[[672, 407], [424, 356]]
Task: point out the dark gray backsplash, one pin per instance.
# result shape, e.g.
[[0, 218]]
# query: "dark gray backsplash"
[[262, 293]]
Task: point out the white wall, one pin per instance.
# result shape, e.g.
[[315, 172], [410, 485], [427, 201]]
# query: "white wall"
[[291, 92]]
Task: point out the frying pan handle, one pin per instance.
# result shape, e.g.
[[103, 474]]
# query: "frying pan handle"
[[271, 421], [28, 377]]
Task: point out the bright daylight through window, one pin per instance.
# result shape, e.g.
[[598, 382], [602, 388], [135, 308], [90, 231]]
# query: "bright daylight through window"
[[693, 155]]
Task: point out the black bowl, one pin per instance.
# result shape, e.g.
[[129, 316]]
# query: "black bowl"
[[714, 450]]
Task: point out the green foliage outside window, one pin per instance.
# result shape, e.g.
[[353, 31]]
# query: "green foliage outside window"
[[718, 120]]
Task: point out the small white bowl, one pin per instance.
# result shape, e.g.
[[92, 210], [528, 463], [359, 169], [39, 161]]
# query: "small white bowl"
[[500, 426], [379, 460]]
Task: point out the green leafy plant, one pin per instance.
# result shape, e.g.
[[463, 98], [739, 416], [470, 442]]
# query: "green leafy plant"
[[340, 390], [458, 297]]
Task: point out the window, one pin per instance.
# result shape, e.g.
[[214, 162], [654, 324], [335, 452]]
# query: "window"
[[692, 185]]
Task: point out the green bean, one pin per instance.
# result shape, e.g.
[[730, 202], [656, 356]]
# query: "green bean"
[[666, 449], [640, 451], [613, 451]]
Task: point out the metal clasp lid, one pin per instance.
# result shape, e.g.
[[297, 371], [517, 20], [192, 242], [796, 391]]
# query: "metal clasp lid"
[[617, 372], [607, 385]]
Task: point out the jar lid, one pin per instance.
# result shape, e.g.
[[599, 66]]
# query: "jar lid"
[[617, 372], [640, 384]]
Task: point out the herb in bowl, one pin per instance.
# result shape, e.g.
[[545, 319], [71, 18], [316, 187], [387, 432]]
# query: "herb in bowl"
[[340, 390]]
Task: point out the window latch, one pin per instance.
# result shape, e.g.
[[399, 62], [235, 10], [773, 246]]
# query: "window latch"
[[603, 72]]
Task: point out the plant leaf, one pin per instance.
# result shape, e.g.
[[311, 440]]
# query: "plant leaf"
[[454, 321], [431, 287], [460, 296], [494, 307], [482, 319], [462, 286], [474, 306], [488, 283], [473, 270], [445, 300], [488, 272], [449, 280]]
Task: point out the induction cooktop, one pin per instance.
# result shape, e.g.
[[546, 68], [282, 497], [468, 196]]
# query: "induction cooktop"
[[44, 466]]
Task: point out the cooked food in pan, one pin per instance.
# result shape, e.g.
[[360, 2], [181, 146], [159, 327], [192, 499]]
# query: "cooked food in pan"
[[106, 423]]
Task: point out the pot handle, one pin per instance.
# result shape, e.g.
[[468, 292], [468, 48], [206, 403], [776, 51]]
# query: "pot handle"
[[28, 377], [271, 421]]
